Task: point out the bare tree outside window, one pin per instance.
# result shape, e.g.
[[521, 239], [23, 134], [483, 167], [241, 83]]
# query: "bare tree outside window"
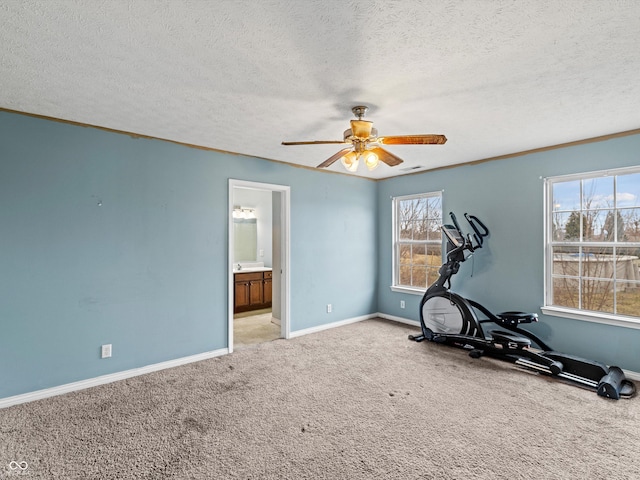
[[418, 239], [594, 246]]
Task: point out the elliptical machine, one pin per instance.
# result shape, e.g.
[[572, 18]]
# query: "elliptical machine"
[[448, 318]]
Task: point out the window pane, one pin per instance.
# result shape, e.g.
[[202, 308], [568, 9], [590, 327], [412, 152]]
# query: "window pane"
[[406, 230], [419, 254], [597, 262], [434, 255], [420, 230], [432, 275], [559, 227], [407, 216], [630, 225], [628, 298], [404, 275], [566, 261], [566, 196], [597, 295], [597, 193], [419, 276], [613, 228], [433, 229], [566, 292], [435, 206], [598, 225], [571, 226], [628, 190], [411, 209], [628, 264], [405, 252]]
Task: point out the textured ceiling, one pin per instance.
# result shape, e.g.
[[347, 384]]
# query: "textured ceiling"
[[495, 76]]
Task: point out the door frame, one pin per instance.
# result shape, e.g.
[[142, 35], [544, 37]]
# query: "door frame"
[[284, 220]]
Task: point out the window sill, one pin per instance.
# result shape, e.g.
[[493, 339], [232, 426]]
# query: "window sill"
[[604, 318], [409, 290]]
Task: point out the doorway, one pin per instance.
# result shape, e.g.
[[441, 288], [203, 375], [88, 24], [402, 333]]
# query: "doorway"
[[259, 237]]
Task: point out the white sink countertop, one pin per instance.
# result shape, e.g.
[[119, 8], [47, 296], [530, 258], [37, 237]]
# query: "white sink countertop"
[[250, 267]]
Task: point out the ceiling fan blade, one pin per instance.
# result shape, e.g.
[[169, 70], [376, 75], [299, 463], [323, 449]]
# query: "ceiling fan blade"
[[315, 142], [413, 140], [329, 161], [386, 157]]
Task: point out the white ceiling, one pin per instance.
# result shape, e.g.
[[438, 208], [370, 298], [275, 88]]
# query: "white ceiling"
[[495, 76]]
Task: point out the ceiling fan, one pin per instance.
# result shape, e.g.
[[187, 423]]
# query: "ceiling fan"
[[365, 144]]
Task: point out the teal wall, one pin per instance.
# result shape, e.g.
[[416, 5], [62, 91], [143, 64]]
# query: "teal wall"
[[105, 238], [508, 272]]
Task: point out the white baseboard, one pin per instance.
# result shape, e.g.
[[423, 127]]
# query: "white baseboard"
[[635, 376], [326, 326], [112, 377], [407, 321]]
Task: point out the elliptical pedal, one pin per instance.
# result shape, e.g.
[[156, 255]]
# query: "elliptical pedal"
[[509, 340]]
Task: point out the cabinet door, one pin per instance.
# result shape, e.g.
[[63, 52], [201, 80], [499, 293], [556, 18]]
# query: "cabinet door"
[[267, 290], [255, 292], [241, 294]]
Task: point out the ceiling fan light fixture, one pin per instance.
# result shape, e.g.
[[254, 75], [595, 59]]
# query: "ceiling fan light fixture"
[[370, 160], [350, 161]]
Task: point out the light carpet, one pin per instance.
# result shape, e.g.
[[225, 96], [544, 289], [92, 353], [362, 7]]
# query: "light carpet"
[[355, 402]]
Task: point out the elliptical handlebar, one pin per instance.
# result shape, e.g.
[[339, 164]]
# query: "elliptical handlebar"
[[455, 223], [480, 231], [477, 225]]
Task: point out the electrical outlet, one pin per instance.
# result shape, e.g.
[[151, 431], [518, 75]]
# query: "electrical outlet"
[[401, 303], [329, 308], [106, 351]]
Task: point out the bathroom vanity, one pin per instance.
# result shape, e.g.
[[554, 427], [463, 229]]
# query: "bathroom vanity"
[[252, 289]]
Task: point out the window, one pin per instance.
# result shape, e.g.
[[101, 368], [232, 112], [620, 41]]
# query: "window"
[[593, 246], [417, 240]]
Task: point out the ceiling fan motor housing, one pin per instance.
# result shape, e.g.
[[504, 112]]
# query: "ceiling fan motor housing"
[[359, 111]]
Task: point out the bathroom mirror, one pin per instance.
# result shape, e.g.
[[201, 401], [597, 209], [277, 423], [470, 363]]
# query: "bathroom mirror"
[[245, 236]]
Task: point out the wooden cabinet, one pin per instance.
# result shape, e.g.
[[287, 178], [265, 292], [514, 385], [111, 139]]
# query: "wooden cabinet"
[[252, 291], [267, 287]]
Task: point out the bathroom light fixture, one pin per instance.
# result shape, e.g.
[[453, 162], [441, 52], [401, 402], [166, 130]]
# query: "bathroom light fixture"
[[244, 213]]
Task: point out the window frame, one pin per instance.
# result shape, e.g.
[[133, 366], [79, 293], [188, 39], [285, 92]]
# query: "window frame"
[[570, 312], [395, 203]]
